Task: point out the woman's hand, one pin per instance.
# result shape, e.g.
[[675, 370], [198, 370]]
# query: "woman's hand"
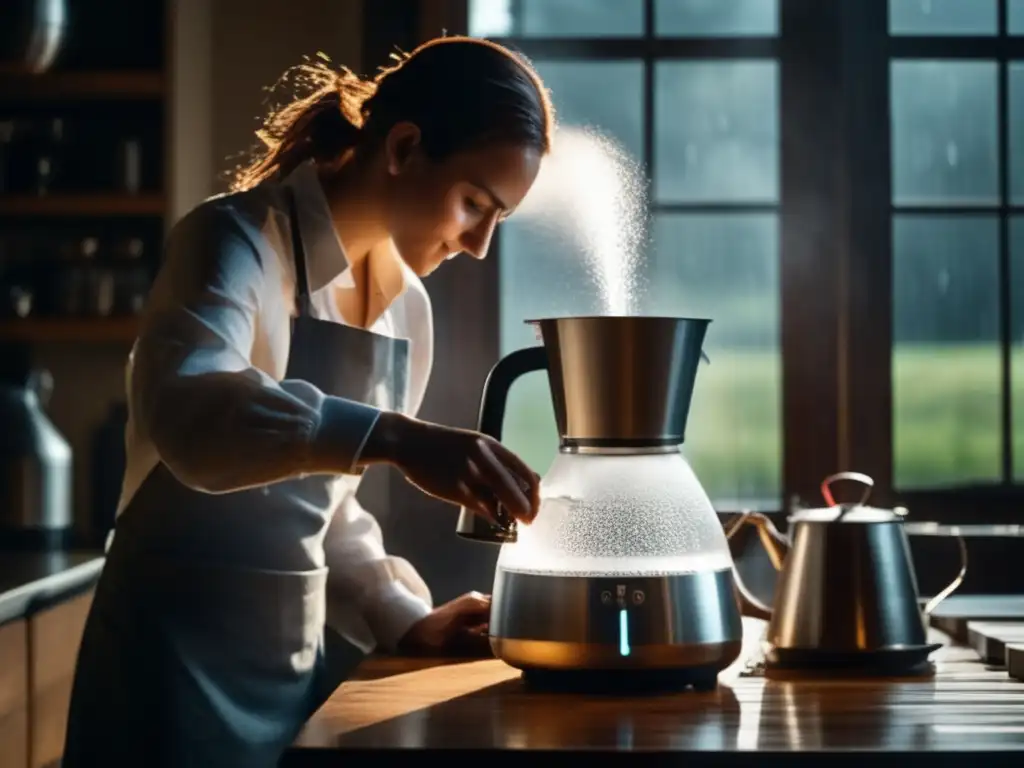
[[456, 465], [458, 628]]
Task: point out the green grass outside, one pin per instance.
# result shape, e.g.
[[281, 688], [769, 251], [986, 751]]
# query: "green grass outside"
[[946, 402], [945, 424]]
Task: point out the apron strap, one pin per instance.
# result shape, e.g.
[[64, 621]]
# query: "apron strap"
[[302, 300]]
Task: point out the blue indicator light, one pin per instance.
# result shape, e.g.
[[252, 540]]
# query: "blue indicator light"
[[623, 633]]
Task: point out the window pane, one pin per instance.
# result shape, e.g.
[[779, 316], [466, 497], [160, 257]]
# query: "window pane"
[[606, 95], [944, 137], [1015, 17], [716, 132], [1017, 348], [543, 272], [490, 18], [945, 358], [556, 18], [1016, 131], [943, 17], [530, 429], [716, 18], [546, 271], [726, 267]]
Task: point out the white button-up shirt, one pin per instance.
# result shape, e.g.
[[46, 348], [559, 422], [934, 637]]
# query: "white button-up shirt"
[[207, 396]]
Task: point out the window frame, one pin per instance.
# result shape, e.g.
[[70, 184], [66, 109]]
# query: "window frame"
[[814, 182], [649, 51], [870, 49], [835, 261]]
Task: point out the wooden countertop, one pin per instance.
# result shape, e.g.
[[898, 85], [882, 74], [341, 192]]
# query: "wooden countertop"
[[32, 581], [400, 704]]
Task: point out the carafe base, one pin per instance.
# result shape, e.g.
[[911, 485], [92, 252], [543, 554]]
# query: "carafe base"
[[686, 622]]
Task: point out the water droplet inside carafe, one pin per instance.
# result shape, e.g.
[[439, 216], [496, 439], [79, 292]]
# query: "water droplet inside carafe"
[[634, 515]]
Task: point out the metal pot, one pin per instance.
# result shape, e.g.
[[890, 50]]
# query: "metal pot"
[[847, 583], [31, 35]]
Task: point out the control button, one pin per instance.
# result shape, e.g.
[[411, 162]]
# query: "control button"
[[638, 597], [620, 590], [606, 597]]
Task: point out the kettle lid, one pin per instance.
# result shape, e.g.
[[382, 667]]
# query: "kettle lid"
[[847, 512]]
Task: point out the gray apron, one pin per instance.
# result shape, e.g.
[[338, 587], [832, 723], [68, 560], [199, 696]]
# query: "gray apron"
[[200, 661]]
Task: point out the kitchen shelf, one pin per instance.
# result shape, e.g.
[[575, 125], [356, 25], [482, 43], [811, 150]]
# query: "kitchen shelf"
[[83, 85], [112, 330], [83, 205]]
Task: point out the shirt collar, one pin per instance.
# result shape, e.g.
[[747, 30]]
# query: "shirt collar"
[[327, 263], [326, 260]]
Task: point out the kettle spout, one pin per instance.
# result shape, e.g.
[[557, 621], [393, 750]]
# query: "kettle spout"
[[775, 544], [749, 605]]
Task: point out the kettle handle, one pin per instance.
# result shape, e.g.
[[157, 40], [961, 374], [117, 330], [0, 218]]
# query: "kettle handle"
[[954, 585], [493, 403], [857, 477], [499, 382]]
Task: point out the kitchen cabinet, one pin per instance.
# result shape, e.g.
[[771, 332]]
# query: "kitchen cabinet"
[[53, 639], [14, 729], [37, 664], [44, 600]]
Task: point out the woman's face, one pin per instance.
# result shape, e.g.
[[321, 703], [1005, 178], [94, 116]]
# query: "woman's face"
[[440, 209]]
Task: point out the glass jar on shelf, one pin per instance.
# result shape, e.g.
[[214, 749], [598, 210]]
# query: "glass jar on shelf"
[[48, 155], [85, 285], [131, 275], [17, 289]]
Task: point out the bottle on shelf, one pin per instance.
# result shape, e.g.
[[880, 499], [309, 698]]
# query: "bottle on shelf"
[[49, 156], [131, 276]]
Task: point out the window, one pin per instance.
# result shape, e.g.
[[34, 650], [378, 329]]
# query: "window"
[[840, 186], [933, 99], [956, 93], [690, 89]]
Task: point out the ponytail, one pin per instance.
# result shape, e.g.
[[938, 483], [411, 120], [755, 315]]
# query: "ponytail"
[[460, 91], [320, 125]]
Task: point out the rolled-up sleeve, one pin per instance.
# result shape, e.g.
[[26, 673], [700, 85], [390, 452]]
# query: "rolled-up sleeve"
[[218, 423]]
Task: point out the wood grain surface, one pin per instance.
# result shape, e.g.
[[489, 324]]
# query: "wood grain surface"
[[397, 704], [54, 637], [953, 614], [990, 638], [14, 730], [1015, 661]]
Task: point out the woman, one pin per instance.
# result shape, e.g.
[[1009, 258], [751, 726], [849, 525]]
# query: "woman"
[[285, 347]]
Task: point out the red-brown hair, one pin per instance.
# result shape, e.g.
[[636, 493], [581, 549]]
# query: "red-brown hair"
[[460, 91]]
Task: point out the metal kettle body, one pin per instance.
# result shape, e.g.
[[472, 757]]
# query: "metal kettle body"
[[36, 466], [847, 583]]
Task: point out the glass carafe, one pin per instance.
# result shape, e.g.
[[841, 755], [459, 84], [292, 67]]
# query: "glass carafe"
[[630, 515]]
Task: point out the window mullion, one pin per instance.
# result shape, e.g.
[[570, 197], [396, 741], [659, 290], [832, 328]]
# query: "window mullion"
[[811, 245], [867, 238], [648, 102], [1005, 277]]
